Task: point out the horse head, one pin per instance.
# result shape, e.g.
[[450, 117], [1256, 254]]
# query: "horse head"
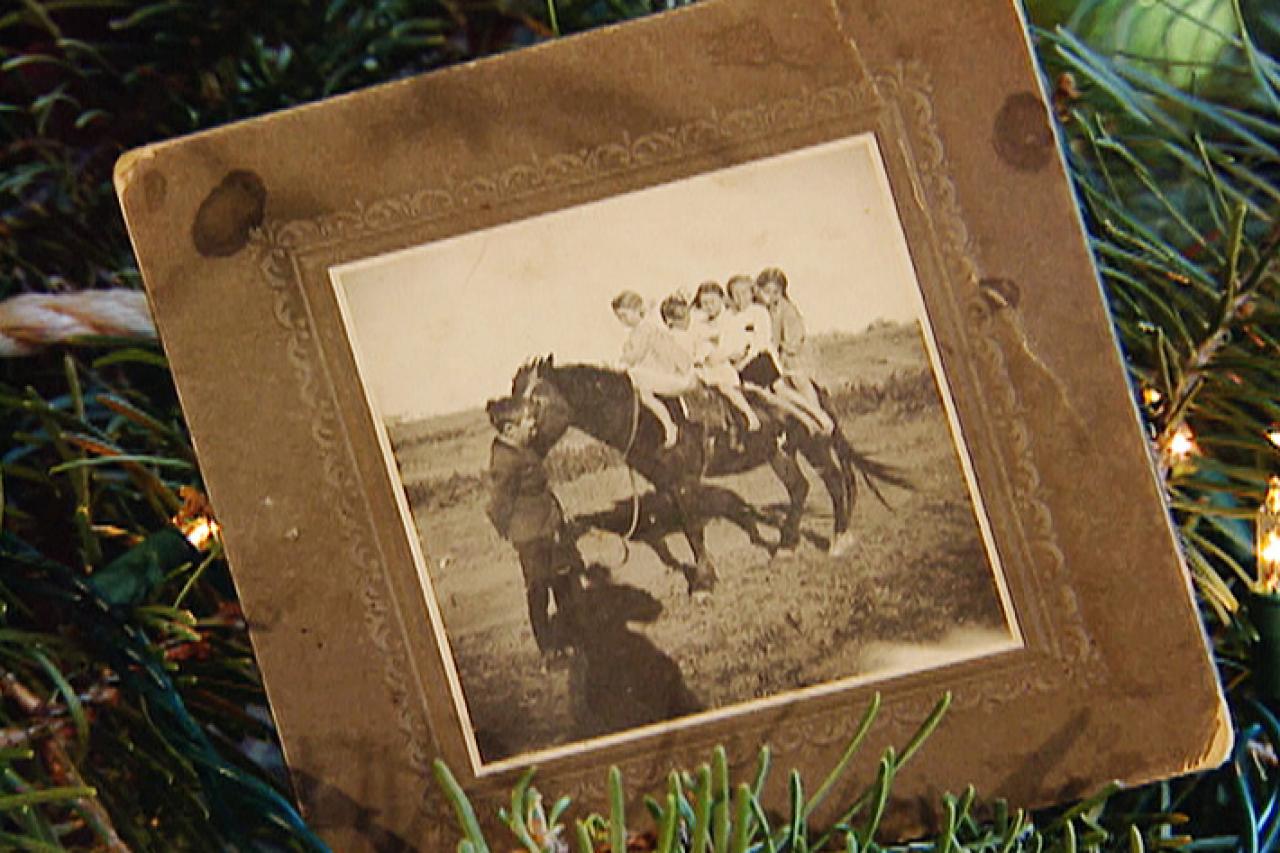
[[530, 374], [552, 412]]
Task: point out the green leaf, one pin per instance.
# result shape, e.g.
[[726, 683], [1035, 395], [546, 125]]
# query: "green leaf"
[[617, 813], [667, 826], [720, 817], [10, 802], [461, 805], [700, 832], [132, 355], [583, 836], [740, 833], [926, 729], [851, 749], [75, 709], [880, 797], [123, 458], [797, 830]]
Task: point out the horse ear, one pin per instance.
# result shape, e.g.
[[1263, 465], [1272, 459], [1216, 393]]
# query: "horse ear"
[[551, 360], [520, 382]]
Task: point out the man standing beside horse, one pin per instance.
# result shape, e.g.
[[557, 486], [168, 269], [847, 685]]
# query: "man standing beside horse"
[[525, 512]]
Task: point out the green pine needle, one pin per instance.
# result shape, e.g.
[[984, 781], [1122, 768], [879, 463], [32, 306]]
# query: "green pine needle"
[[1173, 143]]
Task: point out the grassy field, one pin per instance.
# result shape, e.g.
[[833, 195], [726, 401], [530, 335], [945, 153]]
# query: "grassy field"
[[917, 591]]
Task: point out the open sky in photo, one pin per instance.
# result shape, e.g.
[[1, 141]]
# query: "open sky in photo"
[[442, 327]]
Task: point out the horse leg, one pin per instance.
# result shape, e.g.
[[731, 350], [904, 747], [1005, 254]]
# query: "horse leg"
[[823, 458], [693, 521], [785, 466]]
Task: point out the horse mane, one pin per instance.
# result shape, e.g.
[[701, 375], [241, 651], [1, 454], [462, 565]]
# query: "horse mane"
[[603, 402], [594, 376], [590, 380]]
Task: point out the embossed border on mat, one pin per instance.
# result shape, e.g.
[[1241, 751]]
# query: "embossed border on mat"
[[293, 254]]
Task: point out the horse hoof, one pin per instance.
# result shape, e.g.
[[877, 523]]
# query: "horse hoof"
[[842, 545], [702, 597], [786, 550]]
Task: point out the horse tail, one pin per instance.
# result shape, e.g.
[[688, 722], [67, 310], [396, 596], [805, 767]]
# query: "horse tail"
[[873, 472], [848, 470], [853, 463]]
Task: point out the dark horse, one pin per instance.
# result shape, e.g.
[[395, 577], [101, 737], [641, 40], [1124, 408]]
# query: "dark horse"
[[603, 404]]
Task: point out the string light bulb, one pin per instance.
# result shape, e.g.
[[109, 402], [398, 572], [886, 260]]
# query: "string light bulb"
[[200, 532], [195, 519], [1182, 444], [1268, 539]]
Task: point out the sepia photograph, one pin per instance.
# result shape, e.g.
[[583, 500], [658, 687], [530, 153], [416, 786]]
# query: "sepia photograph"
[[673, 454]]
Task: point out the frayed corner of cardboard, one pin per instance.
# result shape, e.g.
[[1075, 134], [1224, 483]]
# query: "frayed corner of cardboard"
[[1218, 745], [127, 167]]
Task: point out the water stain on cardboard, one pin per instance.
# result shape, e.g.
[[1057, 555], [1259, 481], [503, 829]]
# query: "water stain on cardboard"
[[1022, 136], [229, 213]]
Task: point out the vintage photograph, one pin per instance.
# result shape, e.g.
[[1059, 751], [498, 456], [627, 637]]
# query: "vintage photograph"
[[677, 453]]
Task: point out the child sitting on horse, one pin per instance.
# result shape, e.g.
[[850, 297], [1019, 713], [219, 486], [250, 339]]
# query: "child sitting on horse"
[[758, 363], [718, 340], [675, 316], [525, 512], [656, 363], [755, 363], [789, 344]]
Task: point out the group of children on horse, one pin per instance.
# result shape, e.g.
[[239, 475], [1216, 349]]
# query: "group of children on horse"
[[747, 333]]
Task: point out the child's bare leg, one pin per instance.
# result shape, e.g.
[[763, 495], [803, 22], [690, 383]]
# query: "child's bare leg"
[[799, 387], [789, 406], [651, 402], [739, 401], [810, 405], [809, 392]]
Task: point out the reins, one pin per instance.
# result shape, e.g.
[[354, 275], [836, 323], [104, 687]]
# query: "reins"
[[631, 472]]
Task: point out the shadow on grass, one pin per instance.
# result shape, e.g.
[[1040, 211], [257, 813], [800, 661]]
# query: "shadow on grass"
[[658, 519], [618, 679]]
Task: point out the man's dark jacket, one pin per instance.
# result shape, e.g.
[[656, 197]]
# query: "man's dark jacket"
[[521, 504]]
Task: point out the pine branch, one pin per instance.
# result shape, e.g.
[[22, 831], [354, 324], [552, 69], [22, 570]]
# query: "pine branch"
[[1173, 130], [1240, 305]]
